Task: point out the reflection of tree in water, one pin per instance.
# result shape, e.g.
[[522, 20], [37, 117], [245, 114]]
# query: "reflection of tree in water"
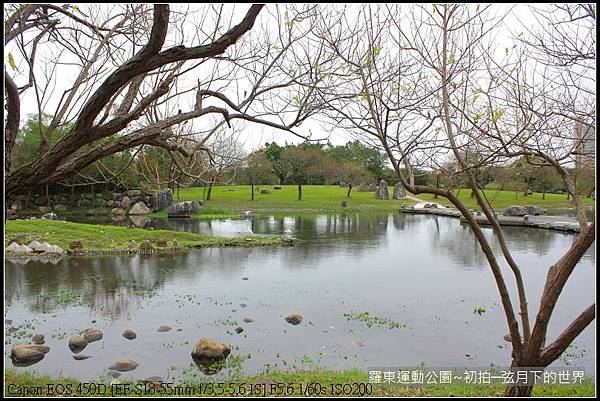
[[456, 241], [110, 284], [459, 243], [346, 226]]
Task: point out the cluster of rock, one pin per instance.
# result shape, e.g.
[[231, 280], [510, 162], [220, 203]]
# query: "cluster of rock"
[[205, 353], [35, 247], [515, 210], [184, 209], [120, 202]]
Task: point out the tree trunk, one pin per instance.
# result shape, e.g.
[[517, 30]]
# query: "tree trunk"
[[48, 197], [209, 191], [349, 189], [252, 190], [518, 391], [299, 188], [544, 194]]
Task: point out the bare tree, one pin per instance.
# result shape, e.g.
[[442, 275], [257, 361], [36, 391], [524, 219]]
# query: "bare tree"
[[133, 66], [431, 87]]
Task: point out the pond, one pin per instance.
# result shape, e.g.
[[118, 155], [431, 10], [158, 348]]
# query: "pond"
[[374, 290]]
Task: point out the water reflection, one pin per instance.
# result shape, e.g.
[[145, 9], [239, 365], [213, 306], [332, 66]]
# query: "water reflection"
[[425, 271]]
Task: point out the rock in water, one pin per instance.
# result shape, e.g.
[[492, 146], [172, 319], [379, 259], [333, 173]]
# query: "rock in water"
[[207, 349], [184, 209], [39, 247], [161, 200], [294, 318], [124, 365], [38, 339], [77, 343], [138, 209], [287, 234], [91, 335], [399, 191], [17, 248], [129, 334], [382, 190], [81, 357], [163, 329], [24, 353]]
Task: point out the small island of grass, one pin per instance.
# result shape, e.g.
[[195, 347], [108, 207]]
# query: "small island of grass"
[[99, 239]]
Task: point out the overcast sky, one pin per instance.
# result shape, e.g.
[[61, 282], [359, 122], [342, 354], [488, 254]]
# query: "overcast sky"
[[252, 135]]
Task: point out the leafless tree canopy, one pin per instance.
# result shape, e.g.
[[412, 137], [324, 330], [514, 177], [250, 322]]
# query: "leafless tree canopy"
[[150, 75]]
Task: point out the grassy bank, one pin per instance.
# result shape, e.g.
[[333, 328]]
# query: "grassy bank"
[[99, 237], [330, 197], [314, 197], [503, 199], [205, 213], [327, 380]]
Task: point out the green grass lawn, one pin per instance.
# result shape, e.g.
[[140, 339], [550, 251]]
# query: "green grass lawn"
[[96, 237], [326, 379], [329, 198], [503, 199], [314, 197]]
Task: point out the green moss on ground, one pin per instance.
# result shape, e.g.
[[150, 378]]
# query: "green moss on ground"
[[100, 237]]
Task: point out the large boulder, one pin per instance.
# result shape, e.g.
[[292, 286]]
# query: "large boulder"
[[343, 184], [60, 208], [515, 210], [38, 247], [133, 193], [207, 349], [49, 216], [382, 190], [139, 208], [18, 248], [23, 353], [77, 343], [91, 335], [124, 365], [129, 334], [38, 339], [184, 209], [125, 202], [76, 244], [55, 249], [139, 220], [294, 318], [533, 210], [162, 199], [399, 191], [265, 191]]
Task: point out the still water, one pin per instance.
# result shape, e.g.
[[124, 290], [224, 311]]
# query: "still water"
[[422, 275]]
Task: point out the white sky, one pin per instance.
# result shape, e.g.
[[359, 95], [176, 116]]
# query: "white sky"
[[252, 135]]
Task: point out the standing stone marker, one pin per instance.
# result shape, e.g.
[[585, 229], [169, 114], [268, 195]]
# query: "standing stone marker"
[[399, 191], [382, 190]]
